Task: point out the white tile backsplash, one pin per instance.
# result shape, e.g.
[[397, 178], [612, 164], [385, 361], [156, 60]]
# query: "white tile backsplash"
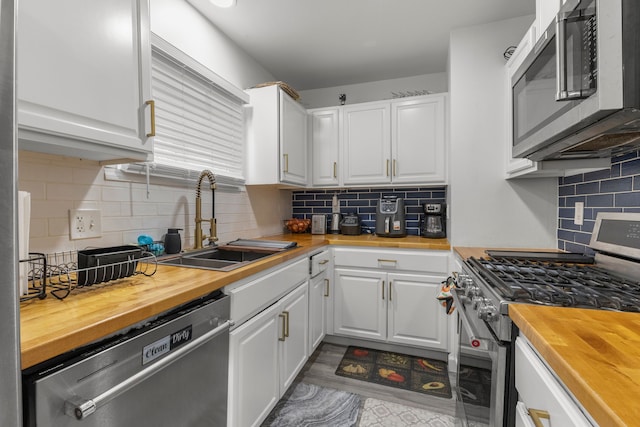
[[58, 184]]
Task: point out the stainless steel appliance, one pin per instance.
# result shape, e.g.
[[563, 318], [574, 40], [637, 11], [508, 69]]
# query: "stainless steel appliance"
[[390, 220], [336, 218], [318, 224], [434, 224], [577, 94], [487, 285], [350, 225], [172, 371], [10, 390]]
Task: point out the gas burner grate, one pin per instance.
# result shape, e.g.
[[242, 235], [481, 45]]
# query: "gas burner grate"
[[558, 284]]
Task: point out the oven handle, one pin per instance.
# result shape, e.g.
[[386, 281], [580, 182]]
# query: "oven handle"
[[80, 408]]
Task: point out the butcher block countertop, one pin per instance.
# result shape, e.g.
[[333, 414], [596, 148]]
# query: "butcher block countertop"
[[51, 327], [595, 353]]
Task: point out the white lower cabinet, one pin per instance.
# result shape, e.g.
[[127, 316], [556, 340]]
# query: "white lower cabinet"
[[319, 292], [542, 398], [381, 302], [393, 307], [266, 354]]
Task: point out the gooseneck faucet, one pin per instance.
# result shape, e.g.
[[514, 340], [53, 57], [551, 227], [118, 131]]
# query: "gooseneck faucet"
[[212, 231]]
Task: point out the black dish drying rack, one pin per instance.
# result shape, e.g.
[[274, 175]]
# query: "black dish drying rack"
[[61, 272]]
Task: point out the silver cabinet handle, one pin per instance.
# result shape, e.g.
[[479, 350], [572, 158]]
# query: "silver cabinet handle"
[[390, 283], [394, 167], [286, 163], [326, 287], [323, 262], [383, 289], [387, 167], [335, 173], [80, 408], [538, 414]]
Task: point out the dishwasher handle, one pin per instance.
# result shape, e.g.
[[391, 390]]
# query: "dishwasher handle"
[[80, 408]]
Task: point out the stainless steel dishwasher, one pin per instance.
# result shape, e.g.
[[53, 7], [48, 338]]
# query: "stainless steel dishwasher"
[[169, 371]]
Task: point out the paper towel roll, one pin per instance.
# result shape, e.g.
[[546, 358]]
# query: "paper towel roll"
[[24, 218]]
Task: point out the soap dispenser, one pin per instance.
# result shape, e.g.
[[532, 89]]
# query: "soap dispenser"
[[172, 241]]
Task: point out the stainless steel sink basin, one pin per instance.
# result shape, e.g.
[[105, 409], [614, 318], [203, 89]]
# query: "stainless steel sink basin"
[[222, 258]]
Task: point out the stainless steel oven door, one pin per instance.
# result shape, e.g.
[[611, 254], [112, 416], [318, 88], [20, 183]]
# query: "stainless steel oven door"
[[481, 370]]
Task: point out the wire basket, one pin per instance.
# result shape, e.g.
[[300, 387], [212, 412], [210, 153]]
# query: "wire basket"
[[62, 272], [34, 270]]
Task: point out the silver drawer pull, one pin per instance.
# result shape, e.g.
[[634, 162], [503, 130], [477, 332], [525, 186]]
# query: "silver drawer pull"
[[323, 262], [80, 408], [394, 261]]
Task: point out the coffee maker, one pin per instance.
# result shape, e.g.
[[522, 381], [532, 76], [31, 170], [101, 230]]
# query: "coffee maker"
[[390, 217], [434, 224]]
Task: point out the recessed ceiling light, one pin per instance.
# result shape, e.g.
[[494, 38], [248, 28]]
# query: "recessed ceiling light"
[[223, 3]]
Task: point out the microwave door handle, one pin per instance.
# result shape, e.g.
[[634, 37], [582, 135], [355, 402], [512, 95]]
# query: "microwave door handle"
[[561, 60]]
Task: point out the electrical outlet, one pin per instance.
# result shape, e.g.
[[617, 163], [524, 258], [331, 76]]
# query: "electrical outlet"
[[578, 216], [85, 223]]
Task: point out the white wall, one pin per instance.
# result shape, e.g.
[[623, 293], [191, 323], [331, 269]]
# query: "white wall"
[[372, 91], [486, 209], [58, 184], [179, 23]]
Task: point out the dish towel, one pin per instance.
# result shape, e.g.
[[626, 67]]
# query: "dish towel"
[[444, 294], [24, 217]]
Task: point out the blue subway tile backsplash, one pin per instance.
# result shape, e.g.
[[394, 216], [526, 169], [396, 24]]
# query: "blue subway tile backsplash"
[[611, 190], [363, 202]]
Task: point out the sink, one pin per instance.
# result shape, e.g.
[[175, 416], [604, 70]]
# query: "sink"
[[223, 258]]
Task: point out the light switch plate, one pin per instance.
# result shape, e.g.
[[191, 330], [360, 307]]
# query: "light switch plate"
[[578, 216], [85, 223]]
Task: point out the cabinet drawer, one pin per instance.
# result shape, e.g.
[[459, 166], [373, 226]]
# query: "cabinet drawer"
[[319, 262], [398, 259], [539, 389], [248, 299]]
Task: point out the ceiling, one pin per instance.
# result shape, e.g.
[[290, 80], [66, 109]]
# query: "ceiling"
[[325, 43]]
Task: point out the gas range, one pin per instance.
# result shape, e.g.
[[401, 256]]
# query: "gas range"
[[610, 280]]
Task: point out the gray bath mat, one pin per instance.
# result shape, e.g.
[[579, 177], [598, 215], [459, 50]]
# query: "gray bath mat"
[[308, 405]]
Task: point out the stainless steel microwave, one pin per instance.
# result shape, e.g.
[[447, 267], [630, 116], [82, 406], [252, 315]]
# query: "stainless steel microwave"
[[577, 93]]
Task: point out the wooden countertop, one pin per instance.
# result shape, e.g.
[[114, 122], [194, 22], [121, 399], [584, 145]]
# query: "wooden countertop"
[[595, 353], [51, 327]]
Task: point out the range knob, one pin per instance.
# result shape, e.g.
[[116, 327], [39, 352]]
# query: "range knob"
[[471, 291], [488, 312], [477, 302]]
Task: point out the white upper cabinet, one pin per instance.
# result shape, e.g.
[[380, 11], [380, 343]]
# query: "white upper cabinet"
[[367, 143], [546, 11], [325, 143], [395, 142], [276, 138], [418, 134], [83, 79]]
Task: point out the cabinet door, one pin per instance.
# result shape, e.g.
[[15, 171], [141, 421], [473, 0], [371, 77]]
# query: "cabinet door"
[[253, 369], [415, 317], [367, 147], [318, 294], [418, 132], [324, 142], [294, 339], [293, 141], [84, 77], [360, 304]]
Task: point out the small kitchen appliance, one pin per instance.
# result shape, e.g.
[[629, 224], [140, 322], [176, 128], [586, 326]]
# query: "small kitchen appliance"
[[350, 225], [318, 224], [172, 241], [390, 217], [434, 225]]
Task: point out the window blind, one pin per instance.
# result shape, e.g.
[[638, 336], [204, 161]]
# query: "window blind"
[[199, 123]]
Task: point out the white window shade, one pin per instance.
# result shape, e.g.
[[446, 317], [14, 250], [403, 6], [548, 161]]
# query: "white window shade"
[[199, 118]]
